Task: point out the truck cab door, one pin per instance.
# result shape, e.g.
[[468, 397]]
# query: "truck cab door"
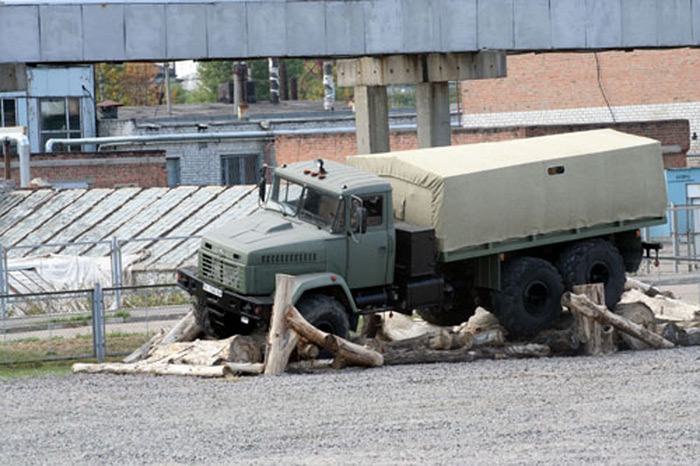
[[369, 253]]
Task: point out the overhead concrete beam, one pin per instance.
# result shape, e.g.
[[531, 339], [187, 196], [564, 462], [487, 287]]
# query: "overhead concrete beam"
[[416, 69]]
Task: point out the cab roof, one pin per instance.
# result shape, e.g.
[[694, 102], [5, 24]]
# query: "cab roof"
[[338, 178]]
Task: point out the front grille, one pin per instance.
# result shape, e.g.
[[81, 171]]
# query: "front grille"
[[214, 269], [289, 258]]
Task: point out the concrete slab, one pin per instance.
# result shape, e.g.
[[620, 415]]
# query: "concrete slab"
[[458, 25], [306, 29], [639, 22], [186, 31], [20, 21], [424, 34], [495, 30], [384, 27], [568, 19], [267, 35], [532, 26], [103, 29], [226, 31], [61, 32], [604, 23], [145, 29], [345, 28], [674, 27]]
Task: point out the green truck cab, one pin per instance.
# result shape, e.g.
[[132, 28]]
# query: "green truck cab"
[[508, 226]]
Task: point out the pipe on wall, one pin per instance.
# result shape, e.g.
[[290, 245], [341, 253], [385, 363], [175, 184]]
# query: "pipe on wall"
[[22, 142]]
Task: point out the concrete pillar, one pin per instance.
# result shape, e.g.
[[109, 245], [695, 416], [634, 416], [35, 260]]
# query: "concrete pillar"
[[371, 119], [433, 114]]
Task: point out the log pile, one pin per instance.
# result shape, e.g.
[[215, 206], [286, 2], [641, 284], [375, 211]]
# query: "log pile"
[[292, 344]]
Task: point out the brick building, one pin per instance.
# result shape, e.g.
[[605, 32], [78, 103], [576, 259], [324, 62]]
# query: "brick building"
[[143, 169], [565, 88]]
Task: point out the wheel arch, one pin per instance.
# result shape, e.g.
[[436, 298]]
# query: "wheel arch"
[[328, 284]]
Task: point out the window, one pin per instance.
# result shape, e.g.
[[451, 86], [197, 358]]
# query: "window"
[[375, 208], [8, 112], [239, 169], [173, 167], [60, 118]]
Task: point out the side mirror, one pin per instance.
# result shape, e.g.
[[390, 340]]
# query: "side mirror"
[[361, 220], [262, 185]]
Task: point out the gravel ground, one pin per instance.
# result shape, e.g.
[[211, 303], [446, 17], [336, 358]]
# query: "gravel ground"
[[631, 408]]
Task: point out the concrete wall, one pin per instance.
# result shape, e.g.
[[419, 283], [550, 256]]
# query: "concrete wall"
[[563, 88], [144, 169]]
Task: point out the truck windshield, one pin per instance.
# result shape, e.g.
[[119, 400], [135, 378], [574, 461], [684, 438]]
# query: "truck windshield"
[[313, 206]]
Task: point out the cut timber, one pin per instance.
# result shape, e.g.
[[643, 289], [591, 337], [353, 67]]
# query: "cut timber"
[[649, 290], [347, 351], [247, 348], [597, 337], [196, 353], [563, 342], [640, 314], [155, 369], [583, 305], [281, 340], [406, 354], [185, 330], [663, 307], [142, 352], [238, 368]]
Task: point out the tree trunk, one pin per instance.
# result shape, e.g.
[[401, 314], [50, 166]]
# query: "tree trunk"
[[640, 314], [397, 355], [645, 288], [185, 330], [281, 340], [349, 352], [597, 337], [583, 305], [156, 369]]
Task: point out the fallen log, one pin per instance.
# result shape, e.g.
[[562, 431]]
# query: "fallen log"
[[423, 355], [185, 330], [562, 342], [196, 353], [154, 369], [670, 331], [281, 340], [597, 338], [347, 351], [493, 337], [585, 306]]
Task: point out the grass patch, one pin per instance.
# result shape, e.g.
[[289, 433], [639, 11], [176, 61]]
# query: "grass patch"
[[33, 350]]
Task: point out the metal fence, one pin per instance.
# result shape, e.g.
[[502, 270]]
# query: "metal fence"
[[98, 332]]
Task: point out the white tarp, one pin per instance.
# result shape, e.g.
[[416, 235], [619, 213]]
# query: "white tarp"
[[475, 194]]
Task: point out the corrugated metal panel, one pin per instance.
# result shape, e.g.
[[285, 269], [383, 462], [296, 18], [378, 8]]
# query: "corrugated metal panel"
[[93, 217], [246, 206], [10, 199], [166, 223], [22, 210], [56, 224], [106, 227], [48, 210], [163, 251], [145, 218]]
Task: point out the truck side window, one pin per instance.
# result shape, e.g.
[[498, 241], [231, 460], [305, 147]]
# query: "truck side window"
[[375, 210]]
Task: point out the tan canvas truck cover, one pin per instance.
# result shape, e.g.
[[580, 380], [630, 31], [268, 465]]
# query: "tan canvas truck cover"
[[477, 194]]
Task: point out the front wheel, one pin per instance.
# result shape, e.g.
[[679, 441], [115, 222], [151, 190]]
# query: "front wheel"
[[217, 323], [530, 298], [325, 313]]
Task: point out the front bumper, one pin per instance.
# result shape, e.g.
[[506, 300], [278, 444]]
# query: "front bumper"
[[253, 308]]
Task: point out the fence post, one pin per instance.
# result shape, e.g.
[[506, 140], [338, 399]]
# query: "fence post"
[[4, 283], [98, 337], [116, 272], [674, 235]]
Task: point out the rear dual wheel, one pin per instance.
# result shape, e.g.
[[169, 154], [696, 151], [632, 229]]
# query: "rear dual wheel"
[[530, 297]]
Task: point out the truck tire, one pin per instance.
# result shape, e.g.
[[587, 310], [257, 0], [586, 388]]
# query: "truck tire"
[[530, 296], [594, 261], [219, 324], [445, 317], [325, 313]]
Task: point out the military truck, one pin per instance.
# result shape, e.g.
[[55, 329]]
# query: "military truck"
[[508, 226]]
